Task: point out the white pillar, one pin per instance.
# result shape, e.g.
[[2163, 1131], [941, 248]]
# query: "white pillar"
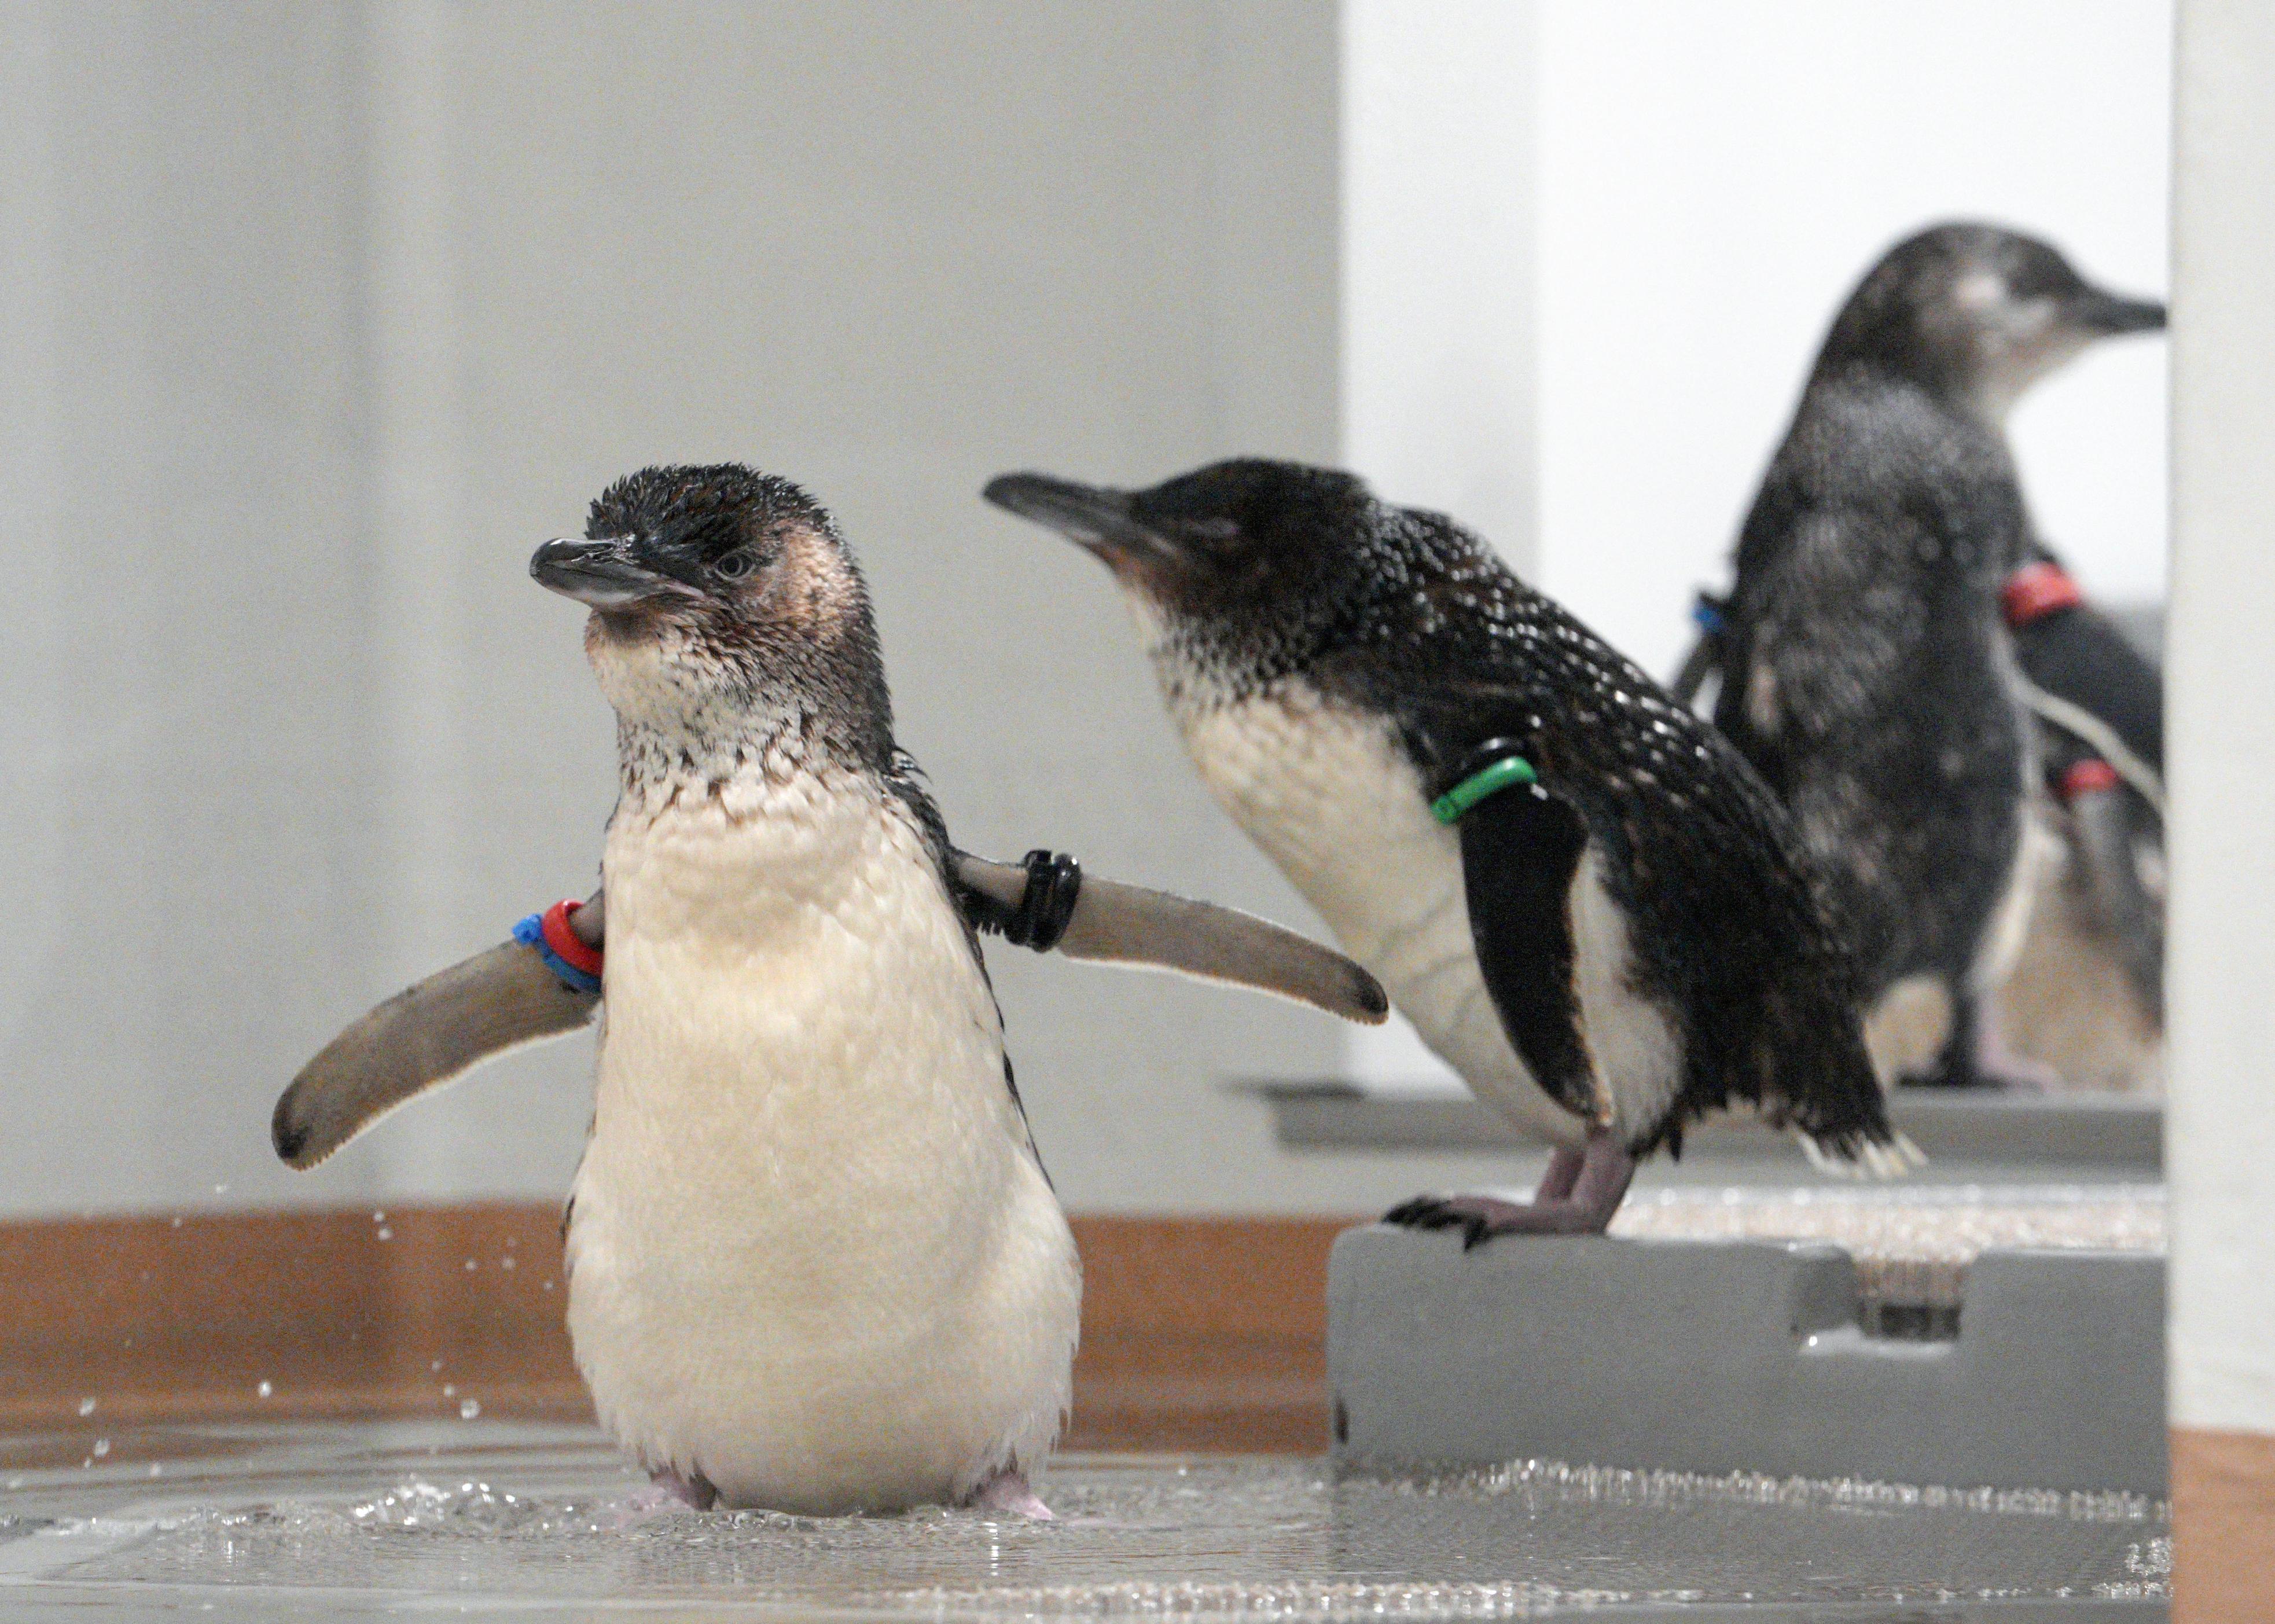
[[2220, 1156]]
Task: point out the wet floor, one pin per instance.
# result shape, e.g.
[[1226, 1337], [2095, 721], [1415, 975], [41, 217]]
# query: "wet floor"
[[496, 1518]]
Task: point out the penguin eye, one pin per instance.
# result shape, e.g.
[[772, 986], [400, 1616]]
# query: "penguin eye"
[[736, 565], [1216, 533]]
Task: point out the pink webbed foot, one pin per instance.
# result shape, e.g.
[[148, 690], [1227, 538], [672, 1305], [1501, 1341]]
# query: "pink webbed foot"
[[1577, 1195], [1007, 1495]]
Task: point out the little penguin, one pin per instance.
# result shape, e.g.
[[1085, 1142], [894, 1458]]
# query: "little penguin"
[[1866, 672], [814, 1262], [1583, 899]]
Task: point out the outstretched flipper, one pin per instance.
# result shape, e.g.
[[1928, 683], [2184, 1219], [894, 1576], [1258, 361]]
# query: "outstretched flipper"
[[427, 1034], [1046, 902], [519, 992]]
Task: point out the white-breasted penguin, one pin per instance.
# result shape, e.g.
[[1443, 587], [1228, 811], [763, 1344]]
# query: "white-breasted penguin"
[[814, 1262], [1866, 671], [1581, 898]]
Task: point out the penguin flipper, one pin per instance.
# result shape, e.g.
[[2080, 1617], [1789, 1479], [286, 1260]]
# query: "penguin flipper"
[[1521, 847], [1116, 924], [425, 1035]]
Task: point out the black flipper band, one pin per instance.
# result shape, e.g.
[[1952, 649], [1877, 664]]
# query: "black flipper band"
[[1045, 908]]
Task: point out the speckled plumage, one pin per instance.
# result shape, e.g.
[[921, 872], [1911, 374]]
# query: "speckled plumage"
[[1292, 618], [1866, 672]]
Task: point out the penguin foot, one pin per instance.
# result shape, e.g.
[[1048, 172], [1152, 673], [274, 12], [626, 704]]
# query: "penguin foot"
[[670, 1486], [1577, 1195], [1481, 1218], [1007, 1495]]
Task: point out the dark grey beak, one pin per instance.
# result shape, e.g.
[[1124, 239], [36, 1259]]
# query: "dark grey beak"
[[2107, 314], [1091, 515], [602, 574]]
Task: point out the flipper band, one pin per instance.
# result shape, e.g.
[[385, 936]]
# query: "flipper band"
[[2036, 589], [1706, 612], [2088, 776], [1489, 780], [577, 965]]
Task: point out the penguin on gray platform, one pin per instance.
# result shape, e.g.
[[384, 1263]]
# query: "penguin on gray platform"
[[1581, 898], [1865, 670], [814, 1262]]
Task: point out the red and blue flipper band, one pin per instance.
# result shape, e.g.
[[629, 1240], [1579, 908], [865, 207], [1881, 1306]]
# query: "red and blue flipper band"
[[577, 965]]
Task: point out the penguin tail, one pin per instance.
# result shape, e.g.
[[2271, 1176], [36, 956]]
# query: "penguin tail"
[[1863, 1159], [1817, 1080]]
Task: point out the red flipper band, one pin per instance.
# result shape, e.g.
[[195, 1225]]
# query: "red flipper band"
[[565, 941], [2084, 777], [2035, 591]]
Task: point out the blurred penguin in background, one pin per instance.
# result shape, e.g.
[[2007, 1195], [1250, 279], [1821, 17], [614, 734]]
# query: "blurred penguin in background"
[[1867, 667], [2087, 995]]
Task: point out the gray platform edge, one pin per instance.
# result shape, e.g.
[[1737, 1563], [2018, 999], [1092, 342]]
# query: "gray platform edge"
[[1743, 1357], [2122, 1133]]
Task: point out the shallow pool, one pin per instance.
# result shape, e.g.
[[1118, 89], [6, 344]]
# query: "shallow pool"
[[503, 1519]]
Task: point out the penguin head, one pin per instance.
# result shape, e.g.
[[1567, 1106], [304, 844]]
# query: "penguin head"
[[1251, 550], [1977, 313], [717, 590]]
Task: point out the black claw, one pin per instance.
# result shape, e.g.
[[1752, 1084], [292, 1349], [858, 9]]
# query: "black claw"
[[1415, 1215], [1475, 1232]]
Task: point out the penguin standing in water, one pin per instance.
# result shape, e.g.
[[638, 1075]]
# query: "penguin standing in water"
[[814, 1262], [1866, 671], [1581, 898]]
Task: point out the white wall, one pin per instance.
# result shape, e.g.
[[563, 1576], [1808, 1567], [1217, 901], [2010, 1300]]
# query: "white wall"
[[319, 317], [1714, 179], [2220, 1131]]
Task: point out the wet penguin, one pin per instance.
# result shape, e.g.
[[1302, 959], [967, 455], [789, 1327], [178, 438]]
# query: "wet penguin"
[[814, 1262], [1581, 896], [1866, 671]]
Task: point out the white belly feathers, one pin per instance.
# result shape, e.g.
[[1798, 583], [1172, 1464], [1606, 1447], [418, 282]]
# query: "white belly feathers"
[[1333, 801], [812, 1257]]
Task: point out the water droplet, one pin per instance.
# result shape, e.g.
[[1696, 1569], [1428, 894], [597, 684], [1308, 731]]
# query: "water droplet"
[[379, 1218], [450, 1390], [468, 1409], [385, 1234], [505, 1263], [221, 1189], [265, 1389], [86, 1407], [157, 1469], [102, 1448], [471, 1265], [177, 1223]]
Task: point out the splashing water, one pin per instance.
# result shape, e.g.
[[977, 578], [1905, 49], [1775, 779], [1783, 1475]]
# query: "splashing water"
[[499, 1517]]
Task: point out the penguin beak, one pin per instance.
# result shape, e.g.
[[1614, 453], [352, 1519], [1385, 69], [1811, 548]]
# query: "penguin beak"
[[1092, 516], [603, 574], [2106, 315]]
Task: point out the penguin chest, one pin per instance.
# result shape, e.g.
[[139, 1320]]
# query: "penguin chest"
[[812, 1256], [1335, 803]]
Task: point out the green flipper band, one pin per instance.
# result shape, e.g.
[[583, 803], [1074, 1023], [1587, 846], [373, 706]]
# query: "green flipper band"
[[1449, 807]]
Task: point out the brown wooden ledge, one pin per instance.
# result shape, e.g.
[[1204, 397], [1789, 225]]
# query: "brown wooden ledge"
[[2223, 1527], [1197, 1333]]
